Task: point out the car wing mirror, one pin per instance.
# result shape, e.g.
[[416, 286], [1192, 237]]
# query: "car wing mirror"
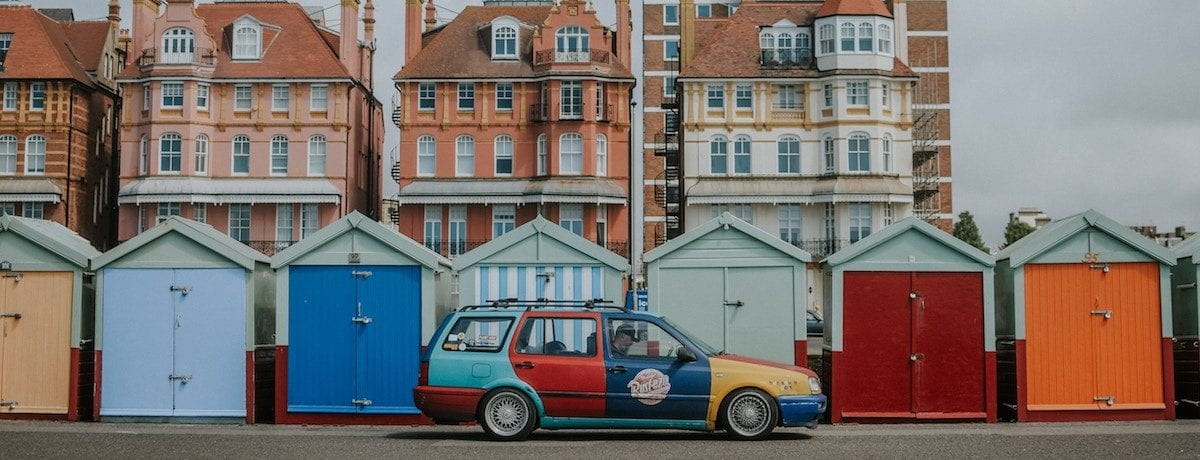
[[685, 355]]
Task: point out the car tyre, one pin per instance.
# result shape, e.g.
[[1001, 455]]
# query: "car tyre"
[[507, 414], [749, 414]]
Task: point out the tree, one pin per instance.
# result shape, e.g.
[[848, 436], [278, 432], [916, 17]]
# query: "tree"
[[966, 230], [1016, 230]]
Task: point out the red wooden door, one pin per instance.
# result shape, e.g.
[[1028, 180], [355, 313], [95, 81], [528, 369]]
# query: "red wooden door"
[[947, 343], [876, 343]]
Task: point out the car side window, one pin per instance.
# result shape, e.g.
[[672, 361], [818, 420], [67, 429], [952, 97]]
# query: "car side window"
[[557, 336], [628, 338], [477, 334]]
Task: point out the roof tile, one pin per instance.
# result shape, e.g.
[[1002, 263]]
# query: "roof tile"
[[40, 47], [853, 7]]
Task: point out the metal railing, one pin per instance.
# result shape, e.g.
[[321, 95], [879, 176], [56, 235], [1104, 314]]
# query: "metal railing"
[[799, 58], [594, 55], [153, 56], [269, 248], [821, 248]]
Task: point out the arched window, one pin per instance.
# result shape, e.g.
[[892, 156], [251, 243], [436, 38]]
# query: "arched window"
[[827, 146], [766, 41], [601, 155], [426, 156], [504, 42], [316, 155], [246, 41], [860, 153], [718, 155], [504, 155], [803, 45], [847, 37], [170, 153], [144, 155], [570, 151], [866, 36], [826, 36], [241, 155], [279, 155], [201, 168], [885, 39], [542, 154], [571, 44], [741, 155], [784, 47], [888, 165], [788, 148], [35, 154], [8, 154], [178, 46], [464, 156]]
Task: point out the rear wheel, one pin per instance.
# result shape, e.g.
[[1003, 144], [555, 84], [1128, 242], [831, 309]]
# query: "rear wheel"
[[507, 415], [749, 414]]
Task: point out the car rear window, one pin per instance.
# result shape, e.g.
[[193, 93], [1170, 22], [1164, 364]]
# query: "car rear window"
[[477, 334]]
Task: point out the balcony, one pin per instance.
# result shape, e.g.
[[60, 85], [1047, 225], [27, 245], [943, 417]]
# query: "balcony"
[[554, 56], [821, 248], [151, 57], [787, 110], [787, 59], [539, 112], [452, 249]]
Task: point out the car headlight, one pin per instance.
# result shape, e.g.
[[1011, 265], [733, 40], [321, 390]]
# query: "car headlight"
[[814, 384]]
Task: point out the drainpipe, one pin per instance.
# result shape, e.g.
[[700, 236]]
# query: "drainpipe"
[[349, 151], [70, 153]]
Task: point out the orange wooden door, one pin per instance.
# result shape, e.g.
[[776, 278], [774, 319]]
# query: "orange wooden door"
[[1128, 340], [1060, 355], [36, 347]]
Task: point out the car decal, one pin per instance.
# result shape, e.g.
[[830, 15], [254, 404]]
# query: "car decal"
[[650, 386]]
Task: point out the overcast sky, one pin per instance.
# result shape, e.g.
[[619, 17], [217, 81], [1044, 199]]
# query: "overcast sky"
[[1063, 105]]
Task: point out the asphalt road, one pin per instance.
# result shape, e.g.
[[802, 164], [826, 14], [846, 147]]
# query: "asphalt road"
[[21, 439]]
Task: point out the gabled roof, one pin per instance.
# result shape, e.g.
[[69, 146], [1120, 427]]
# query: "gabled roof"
[[462, 48], [540, 225], [899, 228], [401, 243], [1050, 235], [202, 234], [1189, 248], [726, 220], [53, 237], [87, 38], [40, 49], [732, 51], [853, 8]]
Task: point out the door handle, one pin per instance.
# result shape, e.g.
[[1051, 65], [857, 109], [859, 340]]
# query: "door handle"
[[735, 303], [916, 356], [10, 315], [361, 319], [185, 378], [524, 365], [617, 370], [1107, 313]]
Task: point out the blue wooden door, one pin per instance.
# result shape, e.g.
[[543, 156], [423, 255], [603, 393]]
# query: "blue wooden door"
[[389, 345], [210, 343], [138, 327]]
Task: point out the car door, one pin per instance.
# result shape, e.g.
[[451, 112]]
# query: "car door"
[[556, 354], [647, 381]]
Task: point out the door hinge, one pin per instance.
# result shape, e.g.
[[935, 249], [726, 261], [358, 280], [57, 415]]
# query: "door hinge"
[[184, 289], [9, 404], [184, 378], [361, 319], [10, 315], [361, 402], [14, 275], [1110, 400], [361, 274]]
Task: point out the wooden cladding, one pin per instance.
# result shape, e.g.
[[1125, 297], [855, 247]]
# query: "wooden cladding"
[[35, 349]]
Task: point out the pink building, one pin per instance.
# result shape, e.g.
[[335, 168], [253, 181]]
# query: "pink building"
[[248, 116]]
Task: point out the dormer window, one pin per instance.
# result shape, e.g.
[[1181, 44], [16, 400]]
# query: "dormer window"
[[785, 44], [178, 46], [247, 40], [571, 44], [5, 43], [504, 42]]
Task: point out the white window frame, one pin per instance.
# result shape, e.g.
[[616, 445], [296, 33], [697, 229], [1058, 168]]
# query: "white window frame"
[[504, 45], [885, 95], [714, 96], [543, 154], [202, 96], [570, 217], [827, 94], [601, 155], [457, 231], [666, 16], [858, 94], [503, 152], [426, 93], [885, 39], [504, 219], [602, 224], [144, 155], [165, 211], [35, 154], [858, 152], [703, 10], [243, 98], [504, 92], [37, 96], [828, 147], [12, 92], [466, 97], [318, 155], [244, 142], [571, 44], [33, 210], [791, 224], [570, 101], [464, 156], [860, 220], [743, 93], [432, 233], [718, 155], [200, 168], [170, 161], [788, 161], [570, 154], [8, 208], [426, 156], [742, 211], [889, 214], [847, 42], [200, 213], [828, 39], [886, 148], [280, 147], [668, 47], [600, 106], [788, 97], [172, 95], [247, 40], [8, 155], [240, 221], [178, 46], [743, 148], [281, 97], [318, 98], [285, 222], [310, 219], [866, 37]]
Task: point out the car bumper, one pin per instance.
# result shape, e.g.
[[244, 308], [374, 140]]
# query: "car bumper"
[[802, 410], [447, 403]]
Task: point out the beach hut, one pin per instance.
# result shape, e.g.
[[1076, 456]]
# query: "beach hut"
[[1186, 308]]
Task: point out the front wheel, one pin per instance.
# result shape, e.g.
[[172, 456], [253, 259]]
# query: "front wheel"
[[749, 414], [507, 415]]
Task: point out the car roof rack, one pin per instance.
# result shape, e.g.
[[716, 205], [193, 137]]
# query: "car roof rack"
[[528, 305]]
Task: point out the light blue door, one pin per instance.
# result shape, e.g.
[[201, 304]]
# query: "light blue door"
[[210, 343], [138, 328]]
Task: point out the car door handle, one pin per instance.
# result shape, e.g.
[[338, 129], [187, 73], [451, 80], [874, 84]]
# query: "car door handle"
[[524, 365], [617, 370]]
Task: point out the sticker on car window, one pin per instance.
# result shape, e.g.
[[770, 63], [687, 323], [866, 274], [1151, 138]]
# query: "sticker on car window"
[[650, 386], [487, 341]]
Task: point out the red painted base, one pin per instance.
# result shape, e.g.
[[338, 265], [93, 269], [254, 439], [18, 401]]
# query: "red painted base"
[[836, 415], [283, 417], [250, 387], [989, 380], [800, 351], [99, 387]]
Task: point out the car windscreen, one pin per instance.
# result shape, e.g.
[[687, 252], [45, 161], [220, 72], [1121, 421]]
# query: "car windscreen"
[[705, 348]]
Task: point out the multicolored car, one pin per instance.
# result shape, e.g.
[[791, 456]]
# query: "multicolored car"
[[515, 366]]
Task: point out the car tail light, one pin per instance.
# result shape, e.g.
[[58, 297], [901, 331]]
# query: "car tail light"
[[423, 374]]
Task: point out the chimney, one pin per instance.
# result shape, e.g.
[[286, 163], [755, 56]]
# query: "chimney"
[[412, 29], [624, 34], [687, 32], [348, 51], [369, 22], [430, 15], [144, 14]]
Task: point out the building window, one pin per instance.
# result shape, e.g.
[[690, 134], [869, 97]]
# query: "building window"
[[741, 211], [200, 213], [570, 217], [242, 98], [856, 93], [716, 96], [426, 96], [504, 155], [309, 219], [246, 41], [318, 100], [783, 48], [33, 211], [5, 43], [433, 228], [35, 154], [860, 221], [789, 223], [601, 155], [464, 156], [601, 224], [504, 97], [827, 93], [570, 149], [826, 39], [458, 230], [426, 156], [886, 95], [172, 95], [571, 100], [544, 101], [466, 96], [571, 44], [201, 167], [703, 10], [542, 154], [10, 96], [179, 46], [670, 15], [889, 214], [8, 154], [827, 146], [504, 42], [202, 96], [866, 37], [8, 209], [241, 155], [744, 96], [284, 219], [281, 96], [860, 153], [789, 155], [788, 97], [504, 219], [165, 211], [600, 100], [239, 222], [741, 155], [37, 96], [718, 154], [170, 153], [668, 87], [316, 156], [885, 39], [830, 226], [670, 50], [886, 142], [144, 155], [279, 156], [803, 45], [847, 37]]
